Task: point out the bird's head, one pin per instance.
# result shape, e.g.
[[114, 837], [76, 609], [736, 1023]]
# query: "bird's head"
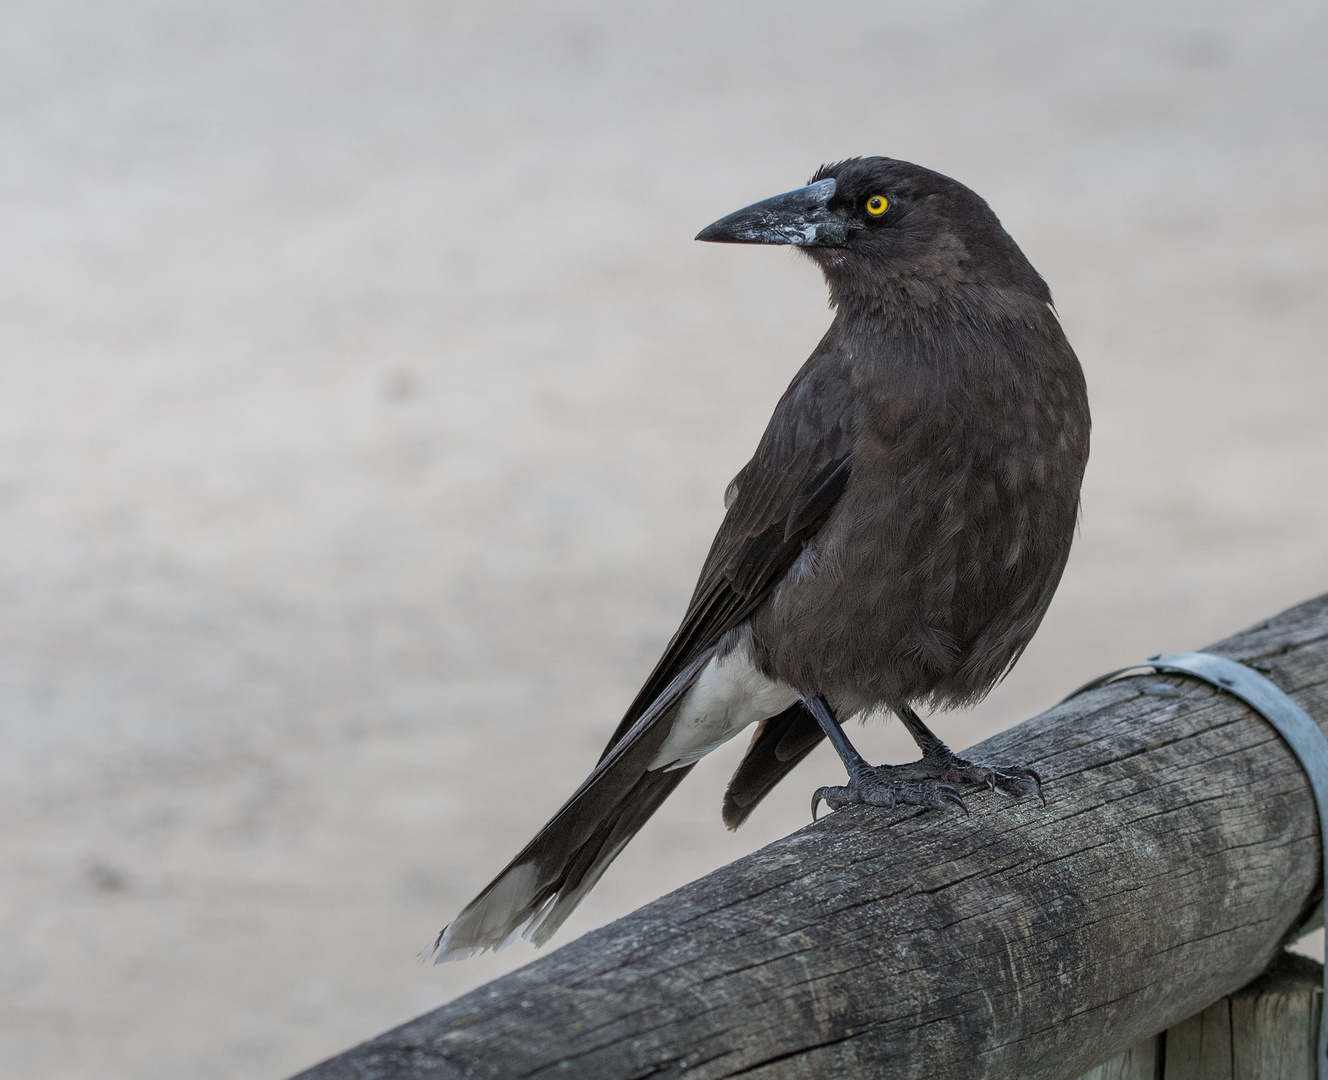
[[876, 226]]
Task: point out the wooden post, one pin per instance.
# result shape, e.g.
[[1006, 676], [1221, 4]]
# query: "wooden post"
[[1275, 1025], [1266, 1031], [1139, 1062], [1200, 1047], [1178, 848]]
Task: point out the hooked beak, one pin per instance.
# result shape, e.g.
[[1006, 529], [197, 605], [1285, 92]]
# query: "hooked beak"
[[797, 217]]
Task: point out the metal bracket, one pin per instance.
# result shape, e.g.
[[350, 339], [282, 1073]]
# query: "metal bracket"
[[1298, 731]]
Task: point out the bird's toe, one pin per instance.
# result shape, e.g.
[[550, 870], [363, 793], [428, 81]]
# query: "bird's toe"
[[882, 787], [833, 797], [1007, 779], [932, 793], [1016, 782]]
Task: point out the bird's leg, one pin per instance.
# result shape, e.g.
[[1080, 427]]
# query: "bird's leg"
[[879, 785], [939, 761]]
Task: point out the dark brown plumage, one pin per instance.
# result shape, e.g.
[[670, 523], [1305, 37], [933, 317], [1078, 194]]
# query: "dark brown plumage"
[[895, 539]]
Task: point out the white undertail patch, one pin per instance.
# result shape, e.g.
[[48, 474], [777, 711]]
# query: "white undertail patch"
[[728, 695]]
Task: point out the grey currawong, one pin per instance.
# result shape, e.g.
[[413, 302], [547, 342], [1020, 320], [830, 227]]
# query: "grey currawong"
[[894, 540]]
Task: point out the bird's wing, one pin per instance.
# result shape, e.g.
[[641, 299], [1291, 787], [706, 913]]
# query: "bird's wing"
[[776, 504], [782, 497]]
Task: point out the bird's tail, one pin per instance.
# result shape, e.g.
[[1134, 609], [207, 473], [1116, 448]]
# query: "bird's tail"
[[540, 887], [779, 744]]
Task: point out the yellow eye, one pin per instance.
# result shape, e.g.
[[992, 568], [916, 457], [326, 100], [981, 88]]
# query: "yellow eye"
[[877, 205]]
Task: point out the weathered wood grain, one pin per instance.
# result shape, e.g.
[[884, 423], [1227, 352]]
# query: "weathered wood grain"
[[1200, 1048], [1178, 847], [1267, 1030], [1139, 1062], [1275, 1024]]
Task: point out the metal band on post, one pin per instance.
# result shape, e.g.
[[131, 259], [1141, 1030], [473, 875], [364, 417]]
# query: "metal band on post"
[[1298, 731]]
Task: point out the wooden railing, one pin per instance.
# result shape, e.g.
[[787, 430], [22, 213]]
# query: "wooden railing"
[[1177, 850], [1268, 1030]]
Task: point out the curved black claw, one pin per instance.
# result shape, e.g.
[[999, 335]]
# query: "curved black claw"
[[822, 794]]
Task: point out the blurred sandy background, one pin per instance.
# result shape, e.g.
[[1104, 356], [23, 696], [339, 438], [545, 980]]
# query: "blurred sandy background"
[[366, 408]]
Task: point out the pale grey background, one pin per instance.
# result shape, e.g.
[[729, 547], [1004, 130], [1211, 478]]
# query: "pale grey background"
[[366, 408]]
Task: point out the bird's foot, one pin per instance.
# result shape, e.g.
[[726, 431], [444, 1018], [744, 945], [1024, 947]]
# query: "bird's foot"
[[933, 780], [945, 765], [886, 785]]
